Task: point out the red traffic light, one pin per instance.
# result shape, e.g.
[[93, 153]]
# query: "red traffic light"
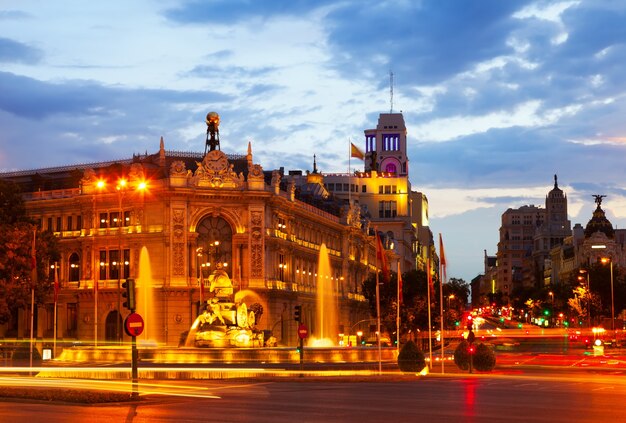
[[472, 349]]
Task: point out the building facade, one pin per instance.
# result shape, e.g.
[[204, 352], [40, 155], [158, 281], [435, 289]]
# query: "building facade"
[[170, 218], [527, 236], [382, 193]]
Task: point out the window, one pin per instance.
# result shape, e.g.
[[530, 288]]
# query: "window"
[[346, 187], [59, 226], [387, 209], [110, 264], [103, 220], [49, 226], [391, 142], [364, 188], [69, 223], [79, 223], [72, 319], [74, 265], [370, 143]]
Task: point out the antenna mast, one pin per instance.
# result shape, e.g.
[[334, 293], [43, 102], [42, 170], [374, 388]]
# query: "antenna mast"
[[391, 91]]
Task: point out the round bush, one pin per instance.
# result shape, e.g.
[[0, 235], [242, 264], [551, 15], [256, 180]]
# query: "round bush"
[[461, 355], [21, 356], [484, 359], [411, 358]]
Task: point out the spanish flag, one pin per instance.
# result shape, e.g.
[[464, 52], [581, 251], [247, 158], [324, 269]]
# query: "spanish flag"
[[382, 257], [356, 152]]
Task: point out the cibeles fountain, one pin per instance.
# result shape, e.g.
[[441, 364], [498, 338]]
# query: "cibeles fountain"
[[224, 322]]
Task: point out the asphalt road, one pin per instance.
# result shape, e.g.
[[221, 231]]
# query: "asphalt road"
[[569, 398]]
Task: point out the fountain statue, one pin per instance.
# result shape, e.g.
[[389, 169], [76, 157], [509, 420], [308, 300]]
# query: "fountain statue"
[[224, 322]]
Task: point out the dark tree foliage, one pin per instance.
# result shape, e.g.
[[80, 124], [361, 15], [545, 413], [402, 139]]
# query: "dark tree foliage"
[[414, 309], [16, 260]]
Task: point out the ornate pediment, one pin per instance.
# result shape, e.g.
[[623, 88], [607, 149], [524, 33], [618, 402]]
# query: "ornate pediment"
[[215, 171]]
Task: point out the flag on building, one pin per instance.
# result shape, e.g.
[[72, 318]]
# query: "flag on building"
[[429, 276], [33, 258], [442, 259], [382, 258], [400, 299], [56, 282], [356, 152]]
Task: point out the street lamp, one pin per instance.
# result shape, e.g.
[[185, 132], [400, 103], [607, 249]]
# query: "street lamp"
[[604, 260], [580, 278]]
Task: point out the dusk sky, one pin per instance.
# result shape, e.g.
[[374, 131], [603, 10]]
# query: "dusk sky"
[[498, 96]]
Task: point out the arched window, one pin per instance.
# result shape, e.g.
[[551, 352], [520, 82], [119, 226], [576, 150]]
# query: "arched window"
[[390, 168], [215, 237], [74, 266]]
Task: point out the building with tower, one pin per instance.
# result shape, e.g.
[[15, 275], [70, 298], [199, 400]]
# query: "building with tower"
[[382, 192], [169, 219], [527, 235]]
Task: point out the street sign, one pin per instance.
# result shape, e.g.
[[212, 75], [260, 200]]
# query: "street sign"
[[303, 331], [133, 325]]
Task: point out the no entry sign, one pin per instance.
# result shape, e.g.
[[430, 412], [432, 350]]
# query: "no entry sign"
[[303, 331], [133, 325]]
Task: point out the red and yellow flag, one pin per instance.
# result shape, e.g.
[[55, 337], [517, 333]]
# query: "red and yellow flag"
[[442, 259], [382, 258], [356, 152], [400, 299], [56, 283]]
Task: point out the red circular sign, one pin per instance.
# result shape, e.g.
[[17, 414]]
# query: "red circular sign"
[[303, 331], [133, 324]]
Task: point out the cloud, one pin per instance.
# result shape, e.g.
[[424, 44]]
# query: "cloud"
[[15, 52]]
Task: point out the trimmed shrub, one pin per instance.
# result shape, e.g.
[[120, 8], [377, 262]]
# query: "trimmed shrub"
[[411, 358], [461, 355], [21, 356], [484, 359]]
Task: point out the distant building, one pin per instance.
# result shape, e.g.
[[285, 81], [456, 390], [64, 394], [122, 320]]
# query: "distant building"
[[527, 236]]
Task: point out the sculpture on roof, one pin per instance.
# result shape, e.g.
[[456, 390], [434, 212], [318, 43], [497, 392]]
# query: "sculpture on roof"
[[212, 132]]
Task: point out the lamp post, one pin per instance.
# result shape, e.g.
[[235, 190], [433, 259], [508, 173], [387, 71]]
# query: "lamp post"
[[604, 260], [450, 297], [580, 278], [121, 188]]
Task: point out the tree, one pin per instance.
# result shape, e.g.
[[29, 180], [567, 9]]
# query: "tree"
[[414, 309], [16, 260]]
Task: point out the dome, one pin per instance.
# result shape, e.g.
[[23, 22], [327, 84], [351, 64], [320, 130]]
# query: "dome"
[[599, 223]]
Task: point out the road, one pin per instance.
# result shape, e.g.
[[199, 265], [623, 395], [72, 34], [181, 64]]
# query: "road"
[[435, 398]]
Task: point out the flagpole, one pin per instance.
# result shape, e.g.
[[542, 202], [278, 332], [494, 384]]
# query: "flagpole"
[[56, 299], [398, 316], [32, 295], [349, 174], [442, 280], [430, 331], [95, 312], [380, 365]]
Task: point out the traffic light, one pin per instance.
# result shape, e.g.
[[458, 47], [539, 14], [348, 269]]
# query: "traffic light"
[[470, 322], [129, 285], [297, 313], [472, 349]]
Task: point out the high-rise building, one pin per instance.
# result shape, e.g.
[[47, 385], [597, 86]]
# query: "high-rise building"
[[527, 235]]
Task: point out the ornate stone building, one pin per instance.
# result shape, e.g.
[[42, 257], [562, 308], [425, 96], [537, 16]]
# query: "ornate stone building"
[[167, 220]]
